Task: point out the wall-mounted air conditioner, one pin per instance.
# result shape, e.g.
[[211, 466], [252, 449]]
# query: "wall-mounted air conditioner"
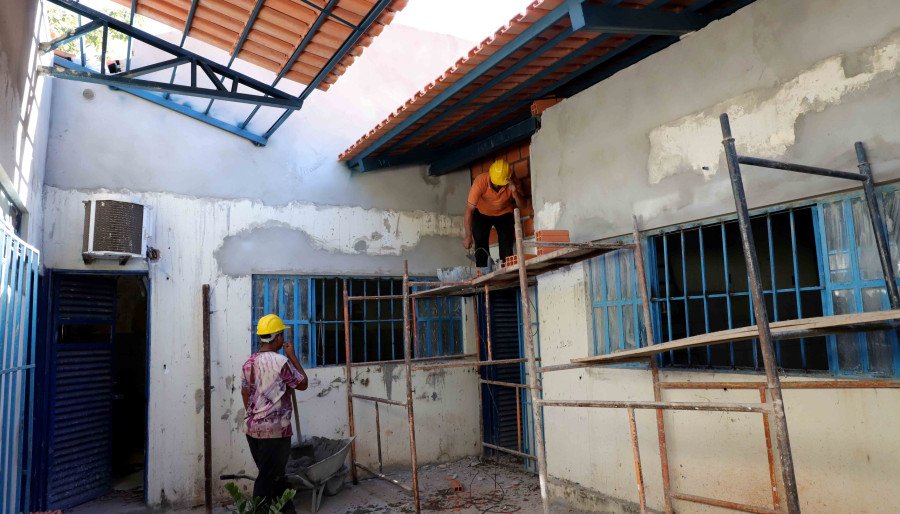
[[115, 230]]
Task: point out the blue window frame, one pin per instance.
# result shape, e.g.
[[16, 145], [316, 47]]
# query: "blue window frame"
[[615, 303], [313, 309], [817, 258]]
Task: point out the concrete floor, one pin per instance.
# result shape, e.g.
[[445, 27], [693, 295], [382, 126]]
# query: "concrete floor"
[[489, 486]]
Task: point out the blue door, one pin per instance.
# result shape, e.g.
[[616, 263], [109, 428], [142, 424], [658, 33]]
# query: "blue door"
[[81, 389]]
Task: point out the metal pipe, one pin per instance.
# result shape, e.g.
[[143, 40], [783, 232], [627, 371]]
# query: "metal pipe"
[[378, 297], [878, 227], [378, 435], [642, 284], [349, 378], [507, 450], [692, 406], [487, 322], [505, 384], [432, 283], [469, 364], [561, 244], [540, 451], [410, 415], [773, 479], [415, 328], [813, 384], [799, 168], [661, 437], [377, 400], [420, 359], [773, 384], [635, 448], [381, 476], [207, 404], [723, 504], [518, 420]]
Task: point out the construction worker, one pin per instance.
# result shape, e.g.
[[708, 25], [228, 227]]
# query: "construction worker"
[[492, 198], [266, 377]]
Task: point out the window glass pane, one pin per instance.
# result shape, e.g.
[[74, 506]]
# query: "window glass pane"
[[610, 275], [879, 344], [867, 251], [838, 242], [600, 330], [302, 291], [615, 339], [890, 212], [626, 273], [273, 296], [848, 349], [628, 325], [288, 306]]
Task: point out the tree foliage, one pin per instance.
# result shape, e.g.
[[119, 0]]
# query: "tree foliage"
[[62, 20]]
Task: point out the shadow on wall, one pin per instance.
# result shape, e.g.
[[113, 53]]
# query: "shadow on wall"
[[22, 131]]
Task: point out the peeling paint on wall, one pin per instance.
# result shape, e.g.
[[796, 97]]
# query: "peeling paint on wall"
[[765, 120]]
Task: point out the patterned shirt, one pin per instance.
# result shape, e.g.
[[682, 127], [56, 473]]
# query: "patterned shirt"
[[267, 376]]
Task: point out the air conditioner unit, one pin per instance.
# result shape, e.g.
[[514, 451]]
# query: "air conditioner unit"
[[115, 230]]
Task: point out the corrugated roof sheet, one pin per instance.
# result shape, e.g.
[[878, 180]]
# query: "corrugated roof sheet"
[[462, 118], [276, 31]]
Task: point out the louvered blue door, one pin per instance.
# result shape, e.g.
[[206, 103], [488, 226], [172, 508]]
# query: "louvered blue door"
[[499, 403], [84, 309]]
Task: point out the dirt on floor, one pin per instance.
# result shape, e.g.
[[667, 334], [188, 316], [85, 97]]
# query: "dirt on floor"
[[467, 486]]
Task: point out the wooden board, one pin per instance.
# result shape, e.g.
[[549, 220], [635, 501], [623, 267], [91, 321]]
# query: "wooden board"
[[508, 277], [792, 329]]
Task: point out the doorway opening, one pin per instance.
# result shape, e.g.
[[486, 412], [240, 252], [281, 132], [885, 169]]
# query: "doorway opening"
[[98, 388]]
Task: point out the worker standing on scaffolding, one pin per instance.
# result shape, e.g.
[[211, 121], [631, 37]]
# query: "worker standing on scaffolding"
[[492, 199], [266, 377]]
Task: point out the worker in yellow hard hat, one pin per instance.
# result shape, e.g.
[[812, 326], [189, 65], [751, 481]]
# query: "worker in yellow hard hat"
[[492, 198], [267, 377]]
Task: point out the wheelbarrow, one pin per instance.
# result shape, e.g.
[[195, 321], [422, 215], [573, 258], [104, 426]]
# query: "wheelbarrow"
[[315, 464]]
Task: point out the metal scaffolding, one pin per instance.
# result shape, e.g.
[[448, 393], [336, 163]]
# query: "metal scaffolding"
[[771, 406]]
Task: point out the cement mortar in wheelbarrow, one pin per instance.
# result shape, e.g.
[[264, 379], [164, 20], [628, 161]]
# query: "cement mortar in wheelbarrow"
[[317, 464]]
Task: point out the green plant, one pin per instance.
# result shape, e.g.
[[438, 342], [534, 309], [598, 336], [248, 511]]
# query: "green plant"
[[61, 20], [244, 504]]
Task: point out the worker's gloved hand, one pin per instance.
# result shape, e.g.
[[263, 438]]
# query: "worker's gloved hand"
[[467, 241]]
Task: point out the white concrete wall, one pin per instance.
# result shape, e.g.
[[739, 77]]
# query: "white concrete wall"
[[803, 80], [24, 110], [225, 209]]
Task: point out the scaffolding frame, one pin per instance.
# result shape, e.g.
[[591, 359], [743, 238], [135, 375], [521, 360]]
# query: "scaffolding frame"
[[782, 476]]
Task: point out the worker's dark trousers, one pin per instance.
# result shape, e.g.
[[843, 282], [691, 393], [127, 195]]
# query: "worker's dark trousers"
[[271, 456], [481, 233]]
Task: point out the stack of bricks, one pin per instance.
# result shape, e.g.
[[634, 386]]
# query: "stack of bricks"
[[512, 260], [551, 236], [519, 161]]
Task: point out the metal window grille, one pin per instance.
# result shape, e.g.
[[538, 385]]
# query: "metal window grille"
[[313, 309], [10, 214], [615, 303], [815, 259], [19, 268]]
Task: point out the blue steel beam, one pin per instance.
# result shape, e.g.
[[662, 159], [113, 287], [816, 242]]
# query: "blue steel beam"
[[163, 87], [70, 35], [467, 154], [240, 42], [351, 40], [304, 42], [539, 51], [179, 108], [109, 22], [151, 68], [330, 14], [184, 35], [547, 21], [613, 20], [130, 22]]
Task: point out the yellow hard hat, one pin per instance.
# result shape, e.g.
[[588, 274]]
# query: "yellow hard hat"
[[269, 324], [500, 172]]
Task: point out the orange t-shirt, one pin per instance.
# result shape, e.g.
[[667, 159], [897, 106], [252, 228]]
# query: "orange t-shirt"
[[489, 202]]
